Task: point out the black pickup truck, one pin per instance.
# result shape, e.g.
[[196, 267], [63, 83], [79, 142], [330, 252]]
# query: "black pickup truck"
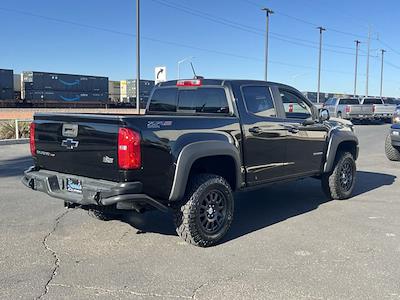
[[392, 143], [199, 141]]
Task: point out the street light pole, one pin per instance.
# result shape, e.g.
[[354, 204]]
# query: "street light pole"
[[383, 53], [268, 12], [356, 68], [138, 56], [321, 30], [368, 51]]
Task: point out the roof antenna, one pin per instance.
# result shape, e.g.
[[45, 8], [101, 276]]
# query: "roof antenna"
[[194, 72]]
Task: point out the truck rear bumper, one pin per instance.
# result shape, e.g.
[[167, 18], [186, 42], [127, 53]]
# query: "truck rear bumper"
[[383, 116], [126, 195], [358, 117]]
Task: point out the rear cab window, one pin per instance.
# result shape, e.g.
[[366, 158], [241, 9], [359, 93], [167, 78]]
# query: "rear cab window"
[[389, 101], [202, 100], [372, 101], [349, 102]]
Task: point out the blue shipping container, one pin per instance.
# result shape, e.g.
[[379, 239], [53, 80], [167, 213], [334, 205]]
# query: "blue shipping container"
[[6, 79], [40, 81], [65, 96]]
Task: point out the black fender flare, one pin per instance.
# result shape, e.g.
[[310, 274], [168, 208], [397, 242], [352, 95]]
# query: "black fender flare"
[[193, 151], [336, 138]]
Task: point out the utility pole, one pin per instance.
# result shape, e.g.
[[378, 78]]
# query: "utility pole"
[[268, 12], [369, 47], [321, 30], [383, 53], [356, 68], [138, 56]]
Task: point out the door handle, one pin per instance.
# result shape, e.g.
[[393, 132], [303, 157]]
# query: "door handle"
[[292, 129], [255, 130]]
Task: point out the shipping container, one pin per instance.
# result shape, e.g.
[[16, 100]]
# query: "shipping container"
[[59, 96], [17, 82], [6, 94], [6, 79], [114, 91], [41, 81], [128, 89]]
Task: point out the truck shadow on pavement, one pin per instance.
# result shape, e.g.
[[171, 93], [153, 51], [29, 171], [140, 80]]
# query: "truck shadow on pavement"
[[15, 167], [258, 209]]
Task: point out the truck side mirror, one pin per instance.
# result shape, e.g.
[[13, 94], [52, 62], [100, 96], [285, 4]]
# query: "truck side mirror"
[[323, 115]]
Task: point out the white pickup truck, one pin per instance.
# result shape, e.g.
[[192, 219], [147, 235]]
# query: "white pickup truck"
[[349, 109], [381, 110]]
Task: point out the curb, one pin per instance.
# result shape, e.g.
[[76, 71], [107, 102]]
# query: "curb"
[[14, 142]]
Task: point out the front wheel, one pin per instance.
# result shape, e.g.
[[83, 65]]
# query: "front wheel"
[[392, 153], [339, 183], [206, 215]]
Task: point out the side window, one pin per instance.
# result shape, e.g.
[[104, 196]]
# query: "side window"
[[295, 106], [203, 100], [259, 101], [163, 100]]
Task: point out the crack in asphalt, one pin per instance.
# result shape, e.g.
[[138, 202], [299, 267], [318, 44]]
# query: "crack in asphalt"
[[111, 291], [54, 253], [230, 278]]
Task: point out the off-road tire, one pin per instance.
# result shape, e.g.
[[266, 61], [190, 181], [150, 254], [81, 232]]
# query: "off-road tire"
[[191, 218], [332, 185], [392, 153]]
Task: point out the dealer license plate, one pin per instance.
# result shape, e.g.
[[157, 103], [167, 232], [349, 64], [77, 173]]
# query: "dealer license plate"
[[74, 185]]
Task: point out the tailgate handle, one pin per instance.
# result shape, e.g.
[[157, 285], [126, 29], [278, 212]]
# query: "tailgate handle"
[[70, 130]]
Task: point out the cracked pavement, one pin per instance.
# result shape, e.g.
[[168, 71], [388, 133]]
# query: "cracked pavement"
[[287, 242]]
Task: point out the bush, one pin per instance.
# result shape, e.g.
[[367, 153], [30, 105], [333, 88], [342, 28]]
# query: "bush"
[[7, 130]]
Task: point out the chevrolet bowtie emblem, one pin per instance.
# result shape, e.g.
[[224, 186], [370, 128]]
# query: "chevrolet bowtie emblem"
[[70, 144]]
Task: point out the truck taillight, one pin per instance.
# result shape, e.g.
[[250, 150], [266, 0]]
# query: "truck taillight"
[[129, 156], [32, 138], [290, 108], [348, 109]]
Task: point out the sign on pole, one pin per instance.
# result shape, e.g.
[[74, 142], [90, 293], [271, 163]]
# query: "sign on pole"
[[160, 74]]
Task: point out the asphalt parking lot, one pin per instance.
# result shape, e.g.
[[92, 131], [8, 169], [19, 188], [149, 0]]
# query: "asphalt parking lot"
[[287, 242]]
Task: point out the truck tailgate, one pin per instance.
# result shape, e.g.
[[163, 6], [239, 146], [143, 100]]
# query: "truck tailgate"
[[83, 145], [361, 109]]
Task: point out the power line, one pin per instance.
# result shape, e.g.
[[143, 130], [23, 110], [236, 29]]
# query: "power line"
[[253, 30], [389, 47], [92, 27], [310, 23]]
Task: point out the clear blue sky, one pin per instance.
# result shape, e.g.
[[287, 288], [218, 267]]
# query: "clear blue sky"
[[225, 37]]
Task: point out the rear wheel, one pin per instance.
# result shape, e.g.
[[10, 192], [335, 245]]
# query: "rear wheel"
[[339, 115], [206, 215], [392, 153], [339, 183]]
